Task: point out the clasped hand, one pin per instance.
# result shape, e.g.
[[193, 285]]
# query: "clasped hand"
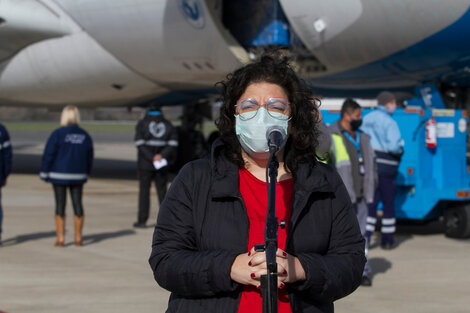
[[248, 268]]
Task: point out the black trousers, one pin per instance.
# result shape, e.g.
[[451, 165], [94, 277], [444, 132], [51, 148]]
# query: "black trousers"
[[60, 193], [160, 178]]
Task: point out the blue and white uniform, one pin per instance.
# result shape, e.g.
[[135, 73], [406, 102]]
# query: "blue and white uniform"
[[68, 156], [5, 154], [387, 144], [383, 130], [385, 139], [5, 162]]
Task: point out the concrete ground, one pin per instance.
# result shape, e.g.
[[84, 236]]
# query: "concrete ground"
[[425, 273]]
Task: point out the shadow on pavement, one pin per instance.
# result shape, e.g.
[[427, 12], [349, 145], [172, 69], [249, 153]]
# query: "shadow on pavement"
[[90, 239], [399, 239], [27, 237], [421, 228], [379, 266], [407, 229], [87, 239]]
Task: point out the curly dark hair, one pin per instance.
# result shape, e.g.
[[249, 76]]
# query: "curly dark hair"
[[302, 141]]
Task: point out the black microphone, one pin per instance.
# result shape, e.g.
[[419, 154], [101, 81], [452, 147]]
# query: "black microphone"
[[276, 137]]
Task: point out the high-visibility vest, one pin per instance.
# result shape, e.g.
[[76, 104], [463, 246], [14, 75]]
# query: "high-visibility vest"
[[341, 156]]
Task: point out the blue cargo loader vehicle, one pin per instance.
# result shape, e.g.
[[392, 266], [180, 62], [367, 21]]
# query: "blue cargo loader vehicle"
[[432, 182]]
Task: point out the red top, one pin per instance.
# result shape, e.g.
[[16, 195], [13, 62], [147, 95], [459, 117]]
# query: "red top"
[[255, 196]]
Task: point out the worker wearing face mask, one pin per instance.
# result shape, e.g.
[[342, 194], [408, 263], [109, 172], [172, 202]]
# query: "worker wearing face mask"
[[388, 147], [353, 157]]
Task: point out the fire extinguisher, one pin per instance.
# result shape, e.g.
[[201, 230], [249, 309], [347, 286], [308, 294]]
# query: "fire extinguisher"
[[431, 133]]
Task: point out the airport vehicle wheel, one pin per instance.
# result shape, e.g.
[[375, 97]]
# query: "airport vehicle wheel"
[[457, 221]]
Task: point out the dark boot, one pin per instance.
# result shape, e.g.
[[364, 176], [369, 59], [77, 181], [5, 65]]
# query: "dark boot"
[[78, 223], [388, 241], [60, 230]]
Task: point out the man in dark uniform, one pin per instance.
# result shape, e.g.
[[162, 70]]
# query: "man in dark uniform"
[[157, 141], [191, 142]]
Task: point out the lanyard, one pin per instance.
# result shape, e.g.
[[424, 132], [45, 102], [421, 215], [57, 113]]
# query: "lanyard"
[[357, 143]]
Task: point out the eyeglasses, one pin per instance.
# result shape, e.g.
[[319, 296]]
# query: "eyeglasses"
[[277, 108]]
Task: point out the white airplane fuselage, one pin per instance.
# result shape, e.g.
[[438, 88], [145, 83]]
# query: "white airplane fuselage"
[[124, 52], [117, 52]]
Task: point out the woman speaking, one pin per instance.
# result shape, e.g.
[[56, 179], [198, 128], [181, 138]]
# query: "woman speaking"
[[214, 213]]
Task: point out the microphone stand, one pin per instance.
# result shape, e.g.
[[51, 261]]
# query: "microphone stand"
[[269, 281]]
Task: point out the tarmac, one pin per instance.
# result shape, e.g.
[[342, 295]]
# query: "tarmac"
[[426, 272]]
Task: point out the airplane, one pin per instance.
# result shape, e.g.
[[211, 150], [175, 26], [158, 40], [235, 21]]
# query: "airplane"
[[127, 52]]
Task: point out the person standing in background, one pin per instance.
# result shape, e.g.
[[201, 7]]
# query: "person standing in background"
[[388, 147], [354, 159], [66, 163], [157, 142], [324, 139], [5, 166], [191, 142]]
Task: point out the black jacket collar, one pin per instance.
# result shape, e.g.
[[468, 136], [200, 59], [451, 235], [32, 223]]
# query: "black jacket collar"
[[310, 176]]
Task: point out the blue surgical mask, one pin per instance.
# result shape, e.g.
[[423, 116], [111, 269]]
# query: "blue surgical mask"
[[154, 113], [251, 133]]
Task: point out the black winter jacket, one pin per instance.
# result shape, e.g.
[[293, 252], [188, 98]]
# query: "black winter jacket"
[[155, 135], [5, 155], [68, 156], [203, 225]]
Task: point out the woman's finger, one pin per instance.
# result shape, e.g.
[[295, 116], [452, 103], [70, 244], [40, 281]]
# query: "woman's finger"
[[257, 259], [256, 275], [281, 270], [281, 253], [280, 284]]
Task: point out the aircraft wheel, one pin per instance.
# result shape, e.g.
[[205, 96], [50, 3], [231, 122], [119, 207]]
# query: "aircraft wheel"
[[457, 221]]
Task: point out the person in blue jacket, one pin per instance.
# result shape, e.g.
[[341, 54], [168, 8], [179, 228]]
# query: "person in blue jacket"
[[386, 140], [66, 163], [5, 165]]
